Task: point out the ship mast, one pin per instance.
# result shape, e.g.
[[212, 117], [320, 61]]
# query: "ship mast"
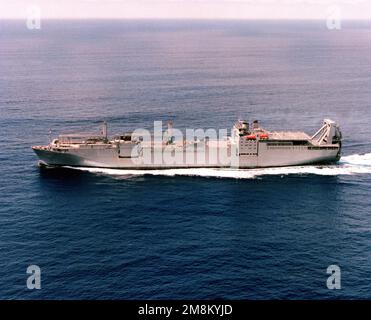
[[104, 130]]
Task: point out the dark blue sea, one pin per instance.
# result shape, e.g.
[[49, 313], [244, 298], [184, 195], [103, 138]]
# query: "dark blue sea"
[[264, 234]]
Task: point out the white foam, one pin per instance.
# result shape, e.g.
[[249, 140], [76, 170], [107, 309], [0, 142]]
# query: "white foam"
[[349, 165], [357, 159]]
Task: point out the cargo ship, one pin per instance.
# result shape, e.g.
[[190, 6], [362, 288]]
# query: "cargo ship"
[[247, 146]]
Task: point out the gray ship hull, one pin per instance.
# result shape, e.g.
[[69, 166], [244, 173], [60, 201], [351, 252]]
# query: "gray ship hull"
[[111, 160]]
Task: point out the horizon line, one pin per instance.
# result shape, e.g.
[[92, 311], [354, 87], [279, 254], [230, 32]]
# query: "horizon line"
[[185, 18]]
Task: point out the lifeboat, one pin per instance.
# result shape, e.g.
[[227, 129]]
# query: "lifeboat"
[[250, 137], [264, 136]]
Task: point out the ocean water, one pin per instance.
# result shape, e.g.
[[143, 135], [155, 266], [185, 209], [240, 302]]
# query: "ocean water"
[[184, 234]]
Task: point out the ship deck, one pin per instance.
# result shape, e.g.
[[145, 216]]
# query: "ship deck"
[[288, 135]]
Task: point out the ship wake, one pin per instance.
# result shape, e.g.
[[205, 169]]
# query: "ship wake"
[[348, 165]]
